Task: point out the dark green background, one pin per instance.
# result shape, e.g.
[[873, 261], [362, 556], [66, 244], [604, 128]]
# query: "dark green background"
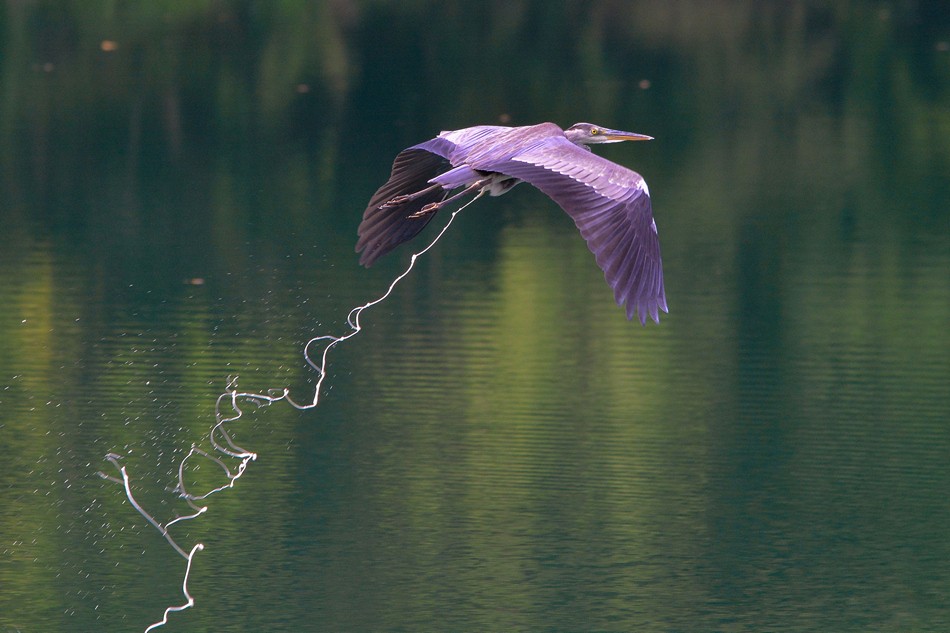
[[499, 449]]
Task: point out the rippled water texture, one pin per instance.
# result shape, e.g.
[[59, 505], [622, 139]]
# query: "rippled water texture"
[[499, 449]]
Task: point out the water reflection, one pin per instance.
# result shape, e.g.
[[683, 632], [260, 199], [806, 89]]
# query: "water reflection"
[[500, 448]]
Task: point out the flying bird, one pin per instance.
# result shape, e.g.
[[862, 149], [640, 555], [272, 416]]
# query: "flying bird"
[[610, 204]]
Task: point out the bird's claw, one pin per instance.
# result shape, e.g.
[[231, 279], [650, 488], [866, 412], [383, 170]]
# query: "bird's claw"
[[429, 209], [396, 201]]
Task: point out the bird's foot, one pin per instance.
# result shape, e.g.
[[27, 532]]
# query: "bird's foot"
[[427, 210], [396, 201]]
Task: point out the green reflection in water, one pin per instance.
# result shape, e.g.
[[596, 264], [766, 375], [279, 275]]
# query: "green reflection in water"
[[500, 449]]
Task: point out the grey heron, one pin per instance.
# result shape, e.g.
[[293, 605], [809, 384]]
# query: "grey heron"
[[609, 204]]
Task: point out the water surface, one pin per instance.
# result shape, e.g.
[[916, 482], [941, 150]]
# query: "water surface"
[[499, 448]]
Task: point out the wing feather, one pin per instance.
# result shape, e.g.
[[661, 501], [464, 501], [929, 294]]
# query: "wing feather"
[[384, 228], [610, 205]]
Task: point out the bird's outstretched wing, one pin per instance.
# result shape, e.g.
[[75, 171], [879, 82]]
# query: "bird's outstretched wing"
[[385, 227], [611, 207]]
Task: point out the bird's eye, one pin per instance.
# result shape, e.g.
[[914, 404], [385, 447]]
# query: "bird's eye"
[[594, 131]]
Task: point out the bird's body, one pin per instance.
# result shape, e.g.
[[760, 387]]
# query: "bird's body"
[[610, 204]]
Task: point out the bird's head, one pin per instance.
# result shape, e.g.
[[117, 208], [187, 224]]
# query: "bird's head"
[[588, 134]]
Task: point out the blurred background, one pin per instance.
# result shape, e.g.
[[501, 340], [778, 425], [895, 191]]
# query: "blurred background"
[[499, 449]]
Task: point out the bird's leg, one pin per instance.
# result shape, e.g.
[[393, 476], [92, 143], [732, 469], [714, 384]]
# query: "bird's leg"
[[398, 200], [432, 207]]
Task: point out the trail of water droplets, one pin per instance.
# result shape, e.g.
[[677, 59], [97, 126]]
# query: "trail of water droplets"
[[228, 409]]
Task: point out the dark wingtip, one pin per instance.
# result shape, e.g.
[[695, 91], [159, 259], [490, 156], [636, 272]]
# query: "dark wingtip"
[[366, 260]]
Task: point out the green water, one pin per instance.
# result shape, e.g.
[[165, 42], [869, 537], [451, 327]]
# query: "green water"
[[499, 449]]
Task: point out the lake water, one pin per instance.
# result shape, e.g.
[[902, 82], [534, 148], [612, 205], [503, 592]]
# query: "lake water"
[[498, 449]]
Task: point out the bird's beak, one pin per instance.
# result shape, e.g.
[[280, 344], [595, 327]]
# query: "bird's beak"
[[615, 136]]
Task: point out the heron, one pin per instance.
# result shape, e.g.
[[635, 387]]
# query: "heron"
[[610, 204]]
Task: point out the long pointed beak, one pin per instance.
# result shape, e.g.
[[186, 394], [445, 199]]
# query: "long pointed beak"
[[615, 136]]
